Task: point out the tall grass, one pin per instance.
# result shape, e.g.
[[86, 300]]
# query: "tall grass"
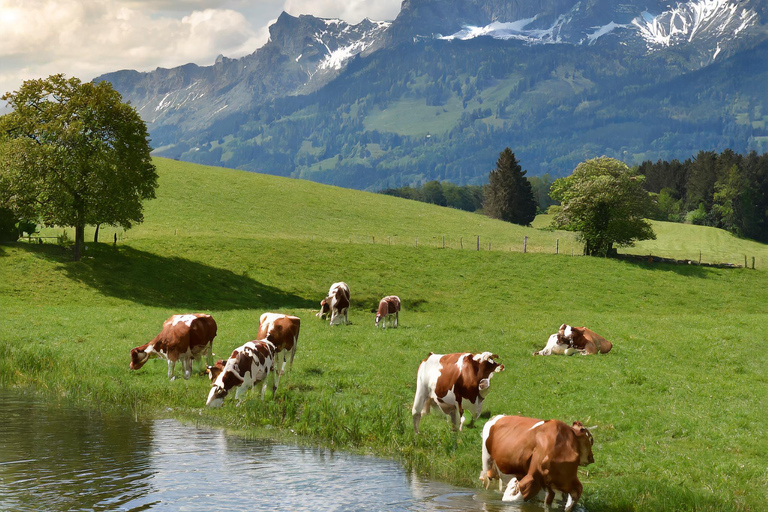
[[677, 407]]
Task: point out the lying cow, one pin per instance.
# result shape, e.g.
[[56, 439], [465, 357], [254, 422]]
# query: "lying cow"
[[388, 306], [586, 340], [248, 365], [532, 455], [184, 338], [283, 332], [575, 340], [336, 304], [453, 382]]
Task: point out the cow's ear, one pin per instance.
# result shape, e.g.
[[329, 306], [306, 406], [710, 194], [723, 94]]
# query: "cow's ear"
[[562, 329], [495, 357]]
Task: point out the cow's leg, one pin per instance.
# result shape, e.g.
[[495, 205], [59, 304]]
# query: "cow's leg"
[[171, 369], [489, 466], [529, 487], [264, 389], [209, 354], [574, 495], [333, 316], [396, 318], [186, 365], [275, 379]]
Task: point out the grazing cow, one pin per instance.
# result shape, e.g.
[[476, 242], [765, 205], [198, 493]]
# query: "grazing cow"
[[389, 305], [336, 303], [585, 340], [248, 365], [453, 382], [534, 455], [184, 337], [283, 332]]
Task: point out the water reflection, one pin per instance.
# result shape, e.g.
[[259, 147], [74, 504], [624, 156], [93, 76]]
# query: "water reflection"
[[56, 457]]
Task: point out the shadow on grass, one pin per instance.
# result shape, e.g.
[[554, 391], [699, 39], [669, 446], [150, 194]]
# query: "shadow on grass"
[[683, 270], [153, 280]]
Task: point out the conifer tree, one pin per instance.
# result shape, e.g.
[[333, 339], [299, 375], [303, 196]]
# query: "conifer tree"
[[508, 195]]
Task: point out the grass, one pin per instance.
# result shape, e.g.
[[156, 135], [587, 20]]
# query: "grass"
[[678, 405]]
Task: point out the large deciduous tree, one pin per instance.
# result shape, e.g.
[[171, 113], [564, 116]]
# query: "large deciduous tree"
[[604, 201], [508, 195], [73, 154]]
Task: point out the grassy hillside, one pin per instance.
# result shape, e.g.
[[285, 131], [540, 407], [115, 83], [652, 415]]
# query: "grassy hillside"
[[677, 408]]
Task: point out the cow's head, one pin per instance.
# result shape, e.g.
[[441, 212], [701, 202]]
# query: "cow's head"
[[214, 371], [585, 440], [325, 307], [228, 378], [487, 366], [138, 358], [565, 334]]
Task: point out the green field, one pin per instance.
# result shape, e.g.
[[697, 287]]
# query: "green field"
[[677, 409]]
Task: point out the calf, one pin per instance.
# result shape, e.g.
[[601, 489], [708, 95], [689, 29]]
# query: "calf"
[[183, 337], [283, 332], [336, 303], [389, 305], [248, 365], [534, 455], [453, 382], [585, 340]]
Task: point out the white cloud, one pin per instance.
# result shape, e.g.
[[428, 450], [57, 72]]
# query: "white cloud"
[[351, 11], [86, 38]]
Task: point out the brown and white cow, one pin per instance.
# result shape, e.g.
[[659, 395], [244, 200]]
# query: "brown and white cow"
[[283, 332], [184, 338], [248, 365], [454, 382], [530, 455], [336, 304], [585, 340], [389, 305], [557, 345]]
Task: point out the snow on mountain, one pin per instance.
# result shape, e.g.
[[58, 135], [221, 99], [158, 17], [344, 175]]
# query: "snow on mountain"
[[719, 20], [508, 30]]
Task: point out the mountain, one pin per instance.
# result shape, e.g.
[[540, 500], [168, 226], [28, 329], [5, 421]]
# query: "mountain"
[[439, 91]]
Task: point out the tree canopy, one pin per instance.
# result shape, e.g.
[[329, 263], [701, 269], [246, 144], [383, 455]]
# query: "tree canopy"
[[508, 195], [73, 154], [604, 201]]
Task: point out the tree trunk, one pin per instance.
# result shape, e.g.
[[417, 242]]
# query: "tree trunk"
[[79, 240], [96, 234]]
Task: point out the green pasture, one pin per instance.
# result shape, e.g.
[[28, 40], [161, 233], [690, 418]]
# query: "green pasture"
[[677, 409]]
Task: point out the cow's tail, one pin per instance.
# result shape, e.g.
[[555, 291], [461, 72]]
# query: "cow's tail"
[[295, 342], [421, 399]]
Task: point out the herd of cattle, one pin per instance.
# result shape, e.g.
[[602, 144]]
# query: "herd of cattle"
[[527, 456]]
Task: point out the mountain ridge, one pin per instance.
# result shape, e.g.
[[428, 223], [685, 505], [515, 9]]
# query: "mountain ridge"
[[240, 112]]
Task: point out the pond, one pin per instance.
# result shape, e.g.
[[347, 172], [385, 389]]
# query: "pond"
[[54, 456]]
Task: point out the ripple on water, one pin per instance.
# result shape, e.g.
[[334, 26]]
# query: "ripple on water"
[[57, 457]]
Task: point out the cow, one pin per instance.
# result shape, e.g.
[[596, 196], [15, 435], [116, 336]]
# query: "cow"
[[248, 365], [283, 332], [453, 382], [389, 305], [585, 340], [531, 455], [336, 303], [183, 337]]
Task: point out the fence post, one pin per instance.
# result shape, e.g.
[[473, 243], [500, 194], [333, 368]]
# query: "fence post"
[[373, 239], [417, 242], [478, 242], [745, 261], [557, 246], [753, 263], [461, 241], [443, 241], [489, 246], [699, 257], [525, 245]]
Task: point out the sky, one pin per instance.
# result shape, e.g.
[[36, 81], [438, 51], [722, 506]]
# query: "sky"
[[86, 38]]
